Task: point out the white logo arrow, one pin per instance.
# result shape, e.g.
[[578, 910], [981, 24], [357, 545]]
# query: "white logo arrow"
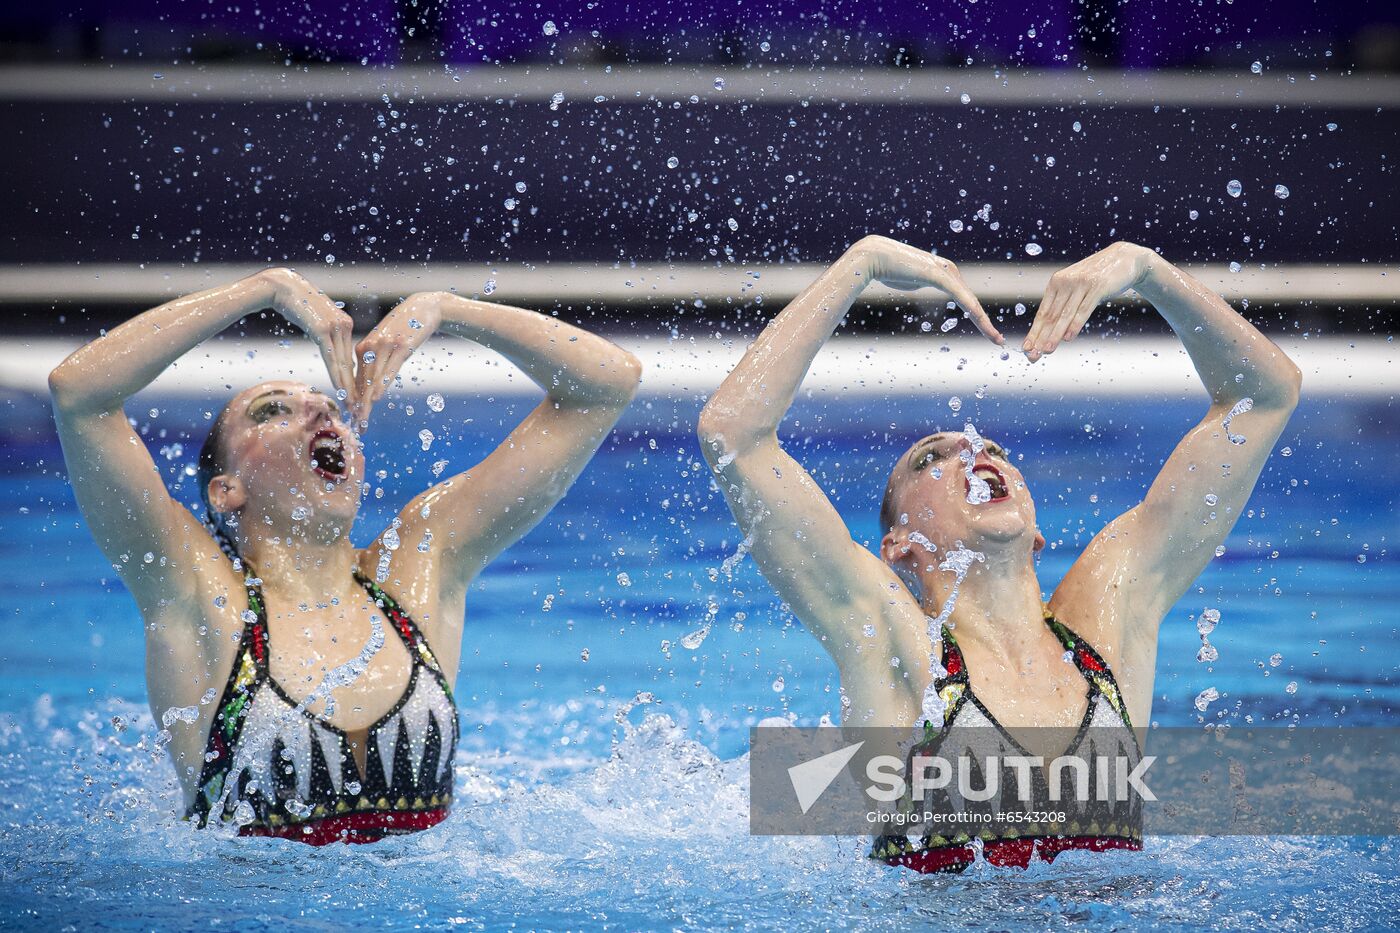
[[811, 778]]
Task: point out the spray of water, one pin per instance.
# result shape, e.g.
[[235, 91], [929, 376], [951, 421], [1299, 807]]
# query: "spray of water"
[[978, 492], [958, 562]]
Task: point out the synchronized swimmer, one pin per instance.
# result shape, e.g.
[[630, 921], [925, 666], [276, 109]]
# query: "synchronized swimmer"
[[265, 605], [322, 674], [960, 536]]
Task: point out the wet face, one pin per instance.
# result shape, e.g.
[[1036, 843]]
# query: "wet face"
[[288, 456], [931, 487]]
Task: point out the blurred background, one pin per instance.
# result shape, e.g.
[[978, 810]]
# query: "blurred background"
[[673, 166]]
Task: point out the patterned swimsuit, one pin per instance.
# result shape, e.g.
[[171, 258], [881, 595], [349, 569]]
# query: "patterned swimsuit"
[[1096, 826], [300, 777]]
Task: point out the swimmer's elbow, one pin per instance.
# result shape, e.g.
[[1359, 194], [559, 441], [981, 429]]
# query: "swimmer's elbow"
[[63, 387], [724, 433]]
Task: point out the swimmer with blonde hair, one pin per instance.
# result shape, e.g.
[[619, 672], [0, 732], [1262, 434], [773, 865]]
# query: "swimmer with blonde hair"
[[959, 533]]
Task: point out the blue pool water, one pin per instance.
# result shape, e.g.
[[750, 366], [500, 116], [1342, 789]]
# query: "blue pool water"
[[571, 815]]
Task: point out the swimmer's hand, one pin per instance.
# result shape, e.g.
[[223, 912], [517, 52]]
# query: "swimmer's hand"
[[1075, 291], [313, 312], [385, 349], [907, 268]]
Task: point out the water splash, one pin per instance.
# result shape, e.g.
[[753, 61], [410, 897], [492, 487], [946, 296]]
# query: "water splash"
[[958, 562], [344, 675], [978, 491], [1239, 408]]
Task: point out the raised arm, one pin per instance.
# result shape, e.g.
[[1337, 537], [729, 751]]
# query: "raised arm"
[[1164, 543], [798, 539], [587, 380], [147, 535]]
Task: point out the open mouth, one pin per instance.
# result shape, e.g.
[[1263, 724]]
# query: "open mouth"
[[327, 454], [996, 483]]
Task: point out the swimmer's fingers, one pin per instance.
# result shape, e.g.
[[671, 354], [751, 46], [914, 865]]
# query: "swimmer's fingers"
[[331, 333], [370, 355], [1066, 289], [1049, 308], [968, 301], [1080, 316], [1055, 334], [951, 281]]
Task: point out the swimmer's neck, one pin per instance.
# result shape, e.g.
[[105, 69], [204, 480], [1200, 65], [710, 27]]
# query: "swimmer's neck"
[[998, 607], [300, 567]]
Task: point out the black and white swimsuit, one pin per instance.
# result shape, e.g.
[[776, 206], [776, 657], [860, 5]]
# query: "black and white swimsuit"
[[1105, 733], [300, 777]]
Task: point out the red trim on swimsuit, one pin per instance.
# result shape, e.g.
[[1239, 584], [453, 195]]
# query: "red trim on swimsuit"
[[1008, 853], [352, 827]]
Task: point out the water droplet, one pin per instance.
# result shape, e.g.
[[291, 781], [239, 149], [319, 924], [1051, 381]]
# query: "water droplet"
[[1286, 452], [1257, 68], [1206, 697], [550, 29], [719, 84], [1275, 659], [1077, 126], [623, 579], [1208, 653], [1292, 687], [1209, 619], [426, 438], [510, 204], [1050, 161], [956, 226], [1280, 191], [966, 98], [789, 178], [300, 513], [489, 287], [1194, 215], [520, 187], [764, 46], [692, 640], [435, 401], [1235, 267], [1233, 188], [1033, 249], [673, 162], [556, 99], [1020, 309], [1331, 127], [948, 324], [955, 404], [330, 258], [1212, 499], [369, 356], [733, 224], [220, 601], [779, 684]]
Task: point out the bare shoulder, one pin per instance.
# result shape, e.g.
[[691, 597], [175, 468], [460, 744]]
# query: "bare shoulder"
[[1107, 597]]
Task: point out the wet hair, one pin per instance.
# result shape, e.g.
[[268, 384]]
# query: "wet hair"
[[212, 464]]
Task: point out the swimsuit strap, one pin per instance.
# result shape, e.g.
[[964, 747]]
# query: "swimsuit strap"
[[404, 625], [1090, 664], [255, 637]]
